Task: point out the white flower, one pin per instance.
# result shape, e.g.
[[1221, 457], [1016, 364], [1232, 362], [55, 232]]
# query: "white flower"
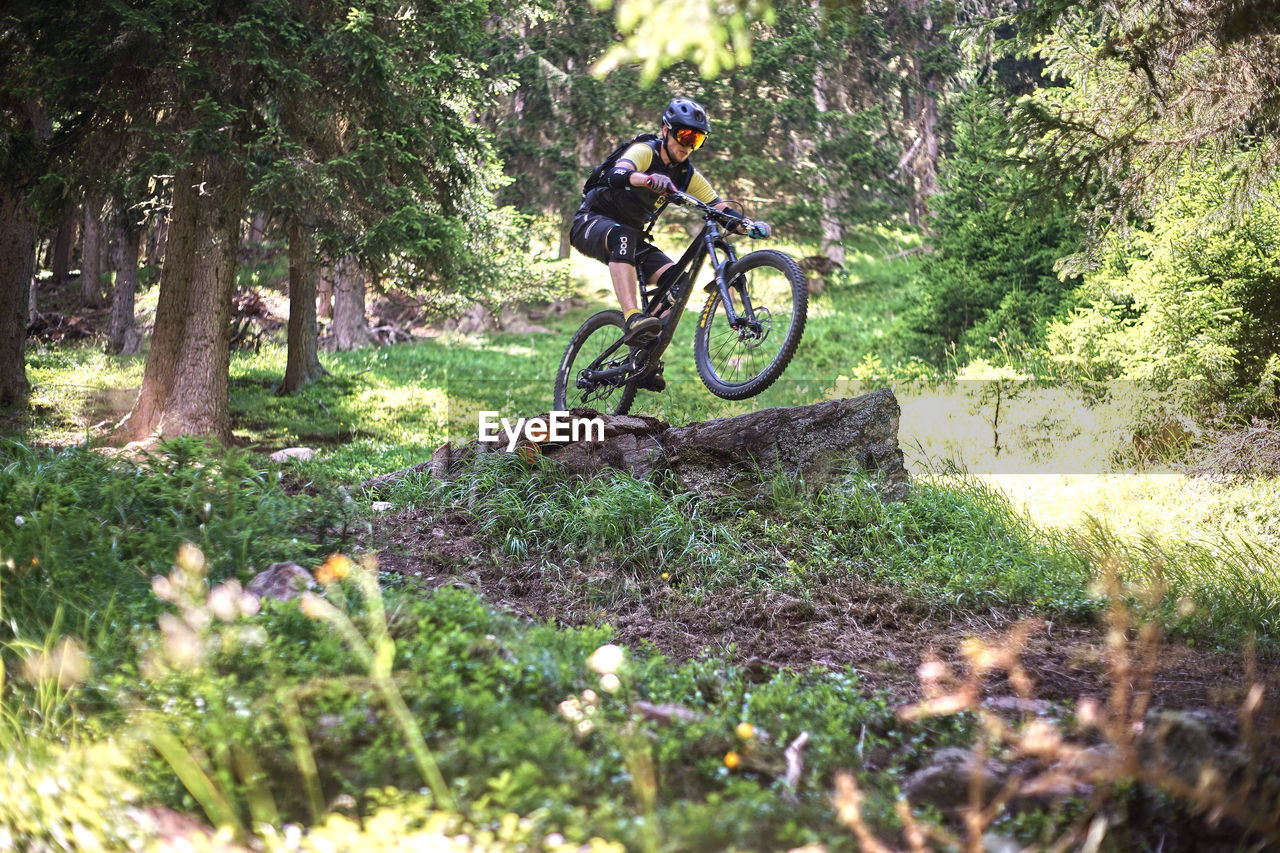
[[224, 600], [571, 709], [18, 521], [607, 659], [609, 683]]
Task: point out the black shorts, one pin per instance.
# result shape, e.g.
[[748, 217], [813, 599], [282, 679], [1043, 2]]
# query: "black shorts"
[[590, 236]]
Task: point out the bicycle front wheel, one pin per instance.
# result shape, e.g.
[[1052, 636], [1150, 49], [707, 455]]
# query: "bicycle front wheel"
[[771, 299], [576, 385]]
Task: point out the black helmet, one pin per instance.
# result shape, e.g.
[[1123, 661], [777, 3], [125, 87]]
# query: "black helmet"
[[683, 112]]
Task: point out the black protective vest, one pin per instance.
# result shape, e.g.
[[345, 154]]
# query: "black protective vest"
[[636, 206]]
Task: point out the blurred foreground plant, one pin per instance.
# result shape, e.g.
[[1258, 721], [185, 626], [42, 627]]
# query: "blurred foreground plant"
[[376, 653], [1100, 757]]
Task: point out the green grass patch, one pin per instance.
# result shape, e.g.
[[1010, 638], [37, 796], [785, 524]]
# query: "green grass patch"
[[82, 533]]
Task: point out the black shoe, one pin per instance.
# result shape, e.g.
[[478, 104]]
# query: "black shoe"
[[641, 329], [653, 382]]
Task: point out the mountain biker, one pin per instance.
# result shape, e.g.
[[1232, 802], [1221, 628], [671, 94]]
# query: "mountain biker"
[[611, 224]]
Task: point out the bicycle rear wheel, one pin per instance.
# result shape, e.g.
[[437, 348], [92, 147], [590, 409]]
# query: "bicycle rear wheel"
[[742, 362], [574, 388]]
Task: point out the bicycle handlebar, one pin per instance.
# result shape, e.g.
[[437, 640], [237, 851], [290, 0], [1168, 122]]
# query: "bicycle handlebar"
[[710, 212]]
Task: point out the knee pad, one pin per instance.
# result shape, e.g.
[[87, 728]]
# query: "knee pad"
[[622, 242]]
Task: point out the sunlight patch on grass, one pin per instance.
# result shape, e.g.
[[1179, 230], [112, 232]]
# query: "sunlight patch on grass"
[[1167, 506]]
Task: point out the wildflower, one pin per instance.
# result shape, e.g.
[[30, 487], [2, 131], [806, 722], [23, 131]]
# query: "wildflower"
[[746, 731], [589, 696], [609, 683], [222, 601], [732, 759], [666, 575], [65, 663], [585, 727], [337, 567], [607, 659], [249, 603], [313, 606], [190, 559], [18, 521], [162, 588], [571, 709], [181, 645]]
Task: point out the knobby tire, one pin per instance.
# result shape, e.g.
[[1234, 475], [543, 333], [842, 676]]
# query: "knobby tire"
[[592, 338], [734, 368]]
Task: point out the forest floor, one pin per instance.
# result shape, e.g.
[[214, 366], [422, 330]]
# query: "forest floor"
[[883, 633]]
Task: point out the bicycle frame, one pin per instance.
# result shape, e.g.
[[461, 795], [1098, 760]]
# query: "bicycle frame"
[[670, 299]]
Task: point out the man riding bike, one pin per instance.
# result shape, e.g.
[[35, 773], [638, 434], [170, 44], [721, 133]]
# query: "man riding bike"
[[615, 219]]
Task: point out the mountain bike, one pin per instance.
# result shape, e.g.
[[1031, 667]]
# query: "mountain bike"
[[747, 332]]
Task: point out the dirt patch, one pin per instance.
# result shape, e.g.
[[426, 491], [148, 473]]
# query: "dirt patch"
[[876, 630]]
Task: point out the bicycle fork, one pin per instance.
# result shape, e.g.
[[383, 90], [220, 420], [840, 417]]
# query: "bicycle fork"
[[746, 321]]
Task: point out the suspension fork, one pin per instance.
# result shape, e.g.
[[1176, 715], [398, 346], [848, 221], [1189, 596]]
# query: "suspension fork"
[[713, 239]]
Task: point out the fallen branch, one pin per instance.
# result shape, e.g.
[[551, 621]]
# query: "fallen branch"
[[794, 755], [906, 253], [666, 713]]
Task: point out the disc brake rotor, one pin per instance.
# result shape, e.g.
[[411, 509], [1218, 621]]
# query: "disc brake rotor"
[[752, 341]]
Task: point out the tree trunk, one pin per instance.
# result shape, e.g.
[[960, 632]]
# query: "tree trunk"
[[303, 362], [91, 255], [17, 258], [815, 443], [157, 236], [324, 293], [832, 229], [257, 230], [124, 338], [566, 223], [68, 230], [185, 382], [349, 329], [926, 102]]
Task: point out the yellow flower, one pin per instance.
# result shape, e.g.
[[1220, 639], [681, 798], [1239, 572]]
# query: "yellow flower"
[[666, 575], [732, 759], [746, 731], [190, 559], [337, 567]]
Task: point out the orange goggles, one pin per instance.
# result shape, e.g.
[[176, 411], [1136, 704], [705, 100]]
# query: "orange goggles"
[[688, 137]]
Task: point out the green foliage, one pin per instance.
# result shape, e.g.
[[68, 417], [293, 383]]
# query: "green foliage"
[[485, 690], [1141, 97], [97, 529], [989, 285], [70, 798], [1187, 308]]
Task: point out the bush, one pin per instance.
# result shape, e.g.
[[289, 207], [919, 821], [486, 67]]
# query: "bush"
[[1190, 308]]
